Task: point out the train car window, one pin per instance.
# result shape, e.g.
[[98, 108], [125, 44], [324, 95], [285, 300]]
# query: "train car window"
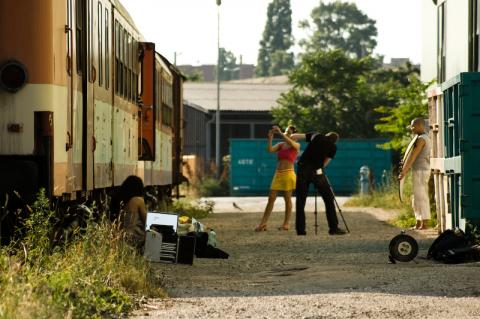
[[69, 37], [78, 35], [134, 67], [134, 70], [100, 43], [122, 46], [107, 51], [90, 41], [117, 56], [167, 104], [125, 61], [158, 94], [129, 67]]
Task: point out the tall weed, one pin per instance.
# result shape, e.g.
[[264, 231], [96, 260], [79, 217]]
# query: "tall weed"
[[387, 197], [95, 275]]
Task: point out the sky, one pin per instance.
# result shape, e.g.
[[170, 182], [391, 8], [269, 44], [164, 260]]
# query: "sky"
[[187, 29]]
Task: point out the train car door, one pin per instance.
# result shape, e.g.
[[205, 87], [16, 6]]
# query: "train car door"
[[70, 186], [103, 98], [147, 128], [79, 103]]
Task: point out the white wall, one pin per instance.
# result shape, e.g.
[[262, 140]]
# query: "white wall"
[[428, 68], [457, 37]]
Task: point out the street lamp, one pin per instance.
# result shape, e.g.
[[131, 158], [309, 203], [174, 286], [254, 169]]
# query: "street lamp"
[[217, 114]]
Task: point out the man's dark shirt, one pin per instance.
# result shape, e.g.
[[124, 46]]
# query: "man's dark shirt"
[[317, 150]]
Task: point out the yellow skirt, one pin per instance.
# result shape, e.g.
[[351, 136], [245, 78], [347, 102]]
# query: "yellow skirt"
[[284, 180]]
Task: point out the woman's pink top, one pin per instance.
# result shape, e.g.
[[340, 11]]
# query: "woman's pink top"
[[287, 153]]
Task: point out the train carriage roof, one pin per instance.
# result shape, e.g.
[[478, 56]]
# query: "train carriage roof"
[[121, 9]]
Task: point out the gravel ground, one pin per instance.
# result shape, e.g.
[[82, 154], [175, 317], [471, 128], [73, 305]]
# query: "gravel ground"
[[276, 274]]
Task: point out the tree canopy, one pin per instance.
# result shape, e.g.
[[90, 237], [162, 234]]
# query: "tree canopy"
[[229, 69], [273, 55], [340, 25], [335, 92], [412, 103]]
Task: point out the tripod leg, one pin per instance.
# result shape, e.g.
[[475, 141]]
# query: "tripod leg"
[[335, 200], [316, 213]]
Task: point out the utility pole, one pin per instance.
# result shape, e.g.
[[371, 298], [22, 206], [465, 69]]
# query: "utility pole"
[[217, 115]]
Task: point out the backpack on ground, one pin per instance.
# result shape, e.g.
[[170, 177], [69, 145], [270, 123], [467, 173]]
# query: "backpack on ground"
[[453, 247]]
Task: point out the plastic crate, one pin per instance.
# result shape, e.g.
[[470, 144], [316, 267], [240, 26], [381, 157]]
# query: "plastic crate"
[[461, 97]]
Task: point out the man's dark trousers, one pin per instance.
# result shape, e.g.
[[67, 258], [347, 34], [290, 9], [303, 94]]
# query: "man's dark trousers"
[[305, 176]]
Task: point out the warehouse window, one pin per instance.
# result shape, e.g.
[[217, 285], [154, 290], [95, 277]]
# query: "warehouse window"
[[441, 56]]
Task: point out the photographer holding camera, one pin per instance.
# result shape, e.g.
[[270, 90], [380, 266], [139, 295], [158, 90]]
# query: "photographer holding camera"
[[319, 152]]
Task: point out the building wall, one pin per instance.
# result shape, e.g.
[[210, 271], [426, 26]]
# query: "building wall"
[[428, 68], [237, 124], [456, 26], [195, 131], [457, 37], [208, 71]]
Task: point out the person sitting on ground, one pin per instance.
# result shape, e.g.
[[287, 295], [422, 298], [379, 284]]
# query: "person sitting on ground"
[[132, 212], [419, 162], [284, 178]]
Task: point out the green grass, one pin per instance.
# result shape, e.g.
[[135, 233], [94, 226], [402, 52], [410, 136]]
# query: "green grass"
[[387, 197], [95, 275]]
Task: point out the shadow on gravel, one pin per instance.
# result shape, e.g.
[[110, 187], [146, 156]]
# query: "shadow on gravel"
[[281, 263]]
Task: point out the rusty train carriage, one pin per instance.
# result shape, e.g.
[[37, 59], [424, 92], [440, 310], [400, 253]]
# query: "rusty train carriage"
[[97, 102]]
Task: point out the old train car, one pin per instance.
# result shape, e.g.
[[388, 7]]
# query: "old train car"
[[84, 102]]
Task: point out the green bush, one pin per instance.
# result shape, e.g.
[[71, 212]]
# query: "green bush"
[[196, 210], [95, 275], [213, 187], [187, 207]]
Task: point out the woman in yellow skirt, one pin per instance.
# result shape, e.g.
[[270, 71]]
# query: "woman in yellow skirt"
[[284, 179]]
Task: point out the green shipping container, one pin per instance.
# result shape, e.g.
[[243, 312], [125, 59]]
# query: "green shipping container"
[[252, 167], [462, 146]]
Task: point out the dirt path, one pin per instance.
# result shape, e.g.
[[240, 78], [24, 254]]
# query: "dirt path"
[[276, 274]]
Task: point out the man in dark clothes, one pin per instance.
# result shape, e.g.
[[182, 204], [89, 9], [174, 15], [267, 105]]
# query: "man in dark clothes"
[[319, 152]]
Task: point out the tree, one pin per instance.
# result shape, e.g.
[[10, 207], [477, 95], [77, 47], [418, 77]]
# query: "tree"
[[273, 55], [335, 92], [340, 25], [412, 103], [196, 76], [229, 69]]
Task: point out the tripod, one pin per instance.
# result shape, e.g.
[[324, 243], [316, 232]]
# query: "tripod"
[[321, 172]]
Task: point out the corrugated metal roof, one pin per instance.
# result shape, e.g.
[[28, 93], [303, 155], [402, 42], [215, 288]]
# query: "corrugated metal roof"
[[235, 96]]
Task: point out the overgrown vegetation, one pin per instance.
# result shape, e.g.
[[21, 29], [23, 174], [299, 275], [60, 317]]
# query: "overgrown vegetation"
[[95, 275], [197, 209], [412, 103], [387, 196]]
